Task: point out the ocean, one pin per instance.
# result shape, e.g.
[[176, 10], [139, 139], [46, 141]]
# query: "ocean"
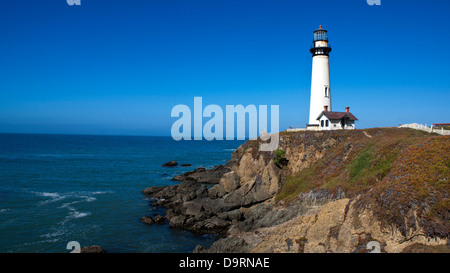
[[60, 188]]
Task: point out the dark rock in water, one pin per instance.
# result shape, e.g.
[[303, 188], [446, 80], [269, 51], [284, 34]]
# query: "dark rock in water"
[[92, 249], [170, 164], [242, 183], [177, 221], [159, 219], [186, 165], [189, 207], [178, 178], [150, 190], [147, 220], [202, 175]]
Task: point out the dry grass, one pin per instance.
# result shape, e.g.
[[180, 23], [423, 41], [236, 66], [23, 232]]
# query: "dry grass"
[[407, 170]]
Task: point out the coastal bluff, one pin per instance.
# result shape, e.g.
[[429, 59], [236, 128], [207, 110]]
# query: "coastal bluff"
[[383, 189]]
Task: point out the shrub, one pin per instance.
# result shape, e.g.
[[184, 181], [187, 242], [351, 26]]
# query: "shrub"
[[279, 159]]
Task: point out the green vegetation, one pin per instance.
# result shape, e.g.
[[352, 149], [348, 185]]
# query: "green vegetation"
[[370, 161], [372, 164], [294, 185], [279, 159], [404, 169], [361, 164]]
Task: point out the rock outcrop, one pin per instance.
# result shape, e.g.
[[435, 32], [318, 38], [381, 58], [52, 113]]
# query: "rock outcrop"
[[92, 249], [170, 164], [203, 175], [241, 183], [335, 227], [147, 220], [323, 192], [158, 219]]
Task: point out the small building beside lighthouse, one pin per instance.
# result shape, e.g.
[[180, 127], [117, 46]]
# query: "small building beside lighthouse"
[[321, 116], [336, 120]]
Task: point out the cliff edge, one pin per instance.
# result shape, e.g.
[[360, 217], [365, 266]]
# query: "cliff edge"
[[335, 191]]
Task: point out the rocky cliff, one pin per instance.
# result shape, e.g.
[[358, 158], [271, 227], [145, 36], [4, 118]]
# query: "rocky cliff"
[[336, 191]]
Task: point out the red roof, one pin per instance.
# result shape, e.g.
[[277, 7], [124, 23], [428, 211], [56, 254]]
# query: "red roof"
[[441, 124], [337, 115]]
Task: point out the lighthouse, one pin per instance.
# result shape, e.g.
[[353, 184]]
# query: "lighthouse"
[[320, 115], [320, 79]]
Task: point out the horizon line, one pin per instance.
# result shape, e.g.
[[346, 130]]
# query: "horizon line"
[[92, 134]]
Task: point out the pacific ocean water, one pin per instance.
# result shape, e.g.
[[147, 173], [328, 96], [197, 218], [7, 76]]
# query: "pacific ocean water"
[[60, 188]]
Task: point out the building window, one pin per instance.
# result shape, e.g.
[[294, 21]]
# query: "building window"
[[321, 123], [326, 123]]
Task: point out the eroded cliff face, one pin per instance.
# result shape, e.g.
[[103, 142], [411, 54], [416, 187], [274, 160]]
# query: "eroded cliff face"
[[321, 197], [335, 227]]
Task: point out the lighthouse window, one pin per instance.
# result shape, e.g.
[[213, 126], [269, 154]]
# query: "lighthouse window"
[[320, 36], [326, 91]]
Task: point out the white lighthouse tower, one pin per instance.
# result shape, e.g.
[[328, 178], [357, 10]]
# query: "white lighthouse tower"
[[320, 115], [320, 80]]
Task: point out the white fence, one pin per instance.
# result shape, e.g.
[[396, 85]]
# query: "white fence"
[[426, 128], [295, 129]]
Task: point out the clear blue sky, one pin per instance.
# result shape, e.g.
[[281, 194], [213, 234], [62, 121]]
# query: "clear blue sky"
[[119, 66]]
